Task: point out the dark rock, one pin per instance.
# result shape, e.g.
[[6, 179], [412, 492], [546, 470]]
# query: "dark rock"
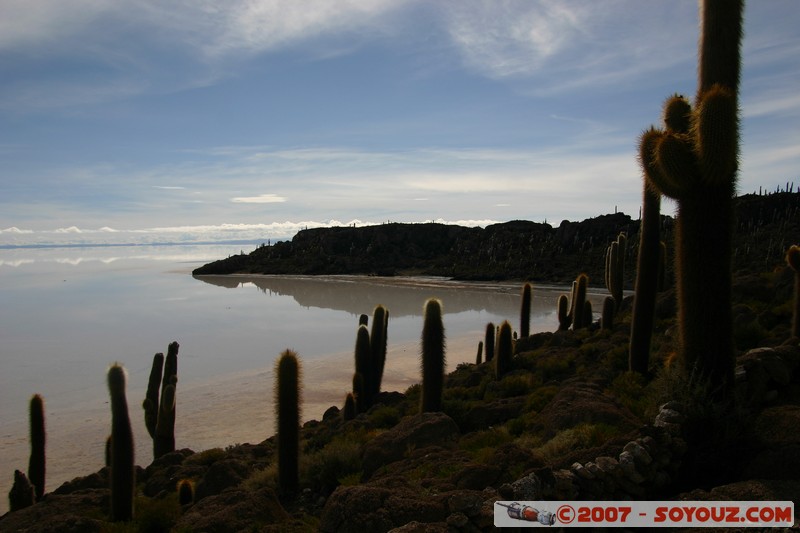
[[233, 511], [57, 513], [363, 508], [221, 475], [581, 402], [476, 476], [413, 432]]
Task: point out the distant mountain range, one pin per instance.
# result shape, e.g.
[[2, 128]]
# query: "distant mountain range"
[[766, 225]]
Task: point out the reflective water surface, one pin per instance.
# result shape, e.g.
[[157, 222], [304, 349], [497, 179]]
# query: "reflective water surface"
[[67, 314]]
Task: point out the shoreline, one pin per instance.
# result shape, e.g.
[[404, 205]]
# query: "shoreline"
[[216, 412]]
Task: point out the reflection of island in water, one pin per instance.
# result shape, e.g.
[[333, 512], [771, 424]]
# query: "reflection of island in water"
[[403, 296]]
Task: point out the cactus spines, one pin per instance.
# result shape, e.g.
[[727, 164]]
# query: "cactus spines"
[[488, 342], [525, 312], [287, 414], [793, 260], [433, 357], [185, 491], [648, 271], [505, 350], [36, 463], [678, 114], [122, 470], [698, 168], [479, 356], [22, 493]]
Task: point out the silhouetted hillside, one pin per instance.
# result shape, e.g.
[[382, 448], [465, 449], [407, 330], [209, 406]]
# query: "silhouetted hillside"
[[519, 250]]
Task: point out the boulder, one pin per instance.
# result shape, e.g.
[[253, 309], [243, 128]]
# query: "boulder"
[[414, 432], [232, 511]]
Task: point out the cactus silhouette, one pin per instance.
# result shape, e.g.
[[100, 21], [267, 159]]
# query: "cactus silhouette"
[[151, 399], [36, 463], [159, 411], [488, 342], [363, 319], [579, 319], [378, 342], [607, 318], [122, 449], [648, 267], [564, 316], [694, 160], [349, 411], [363, 354], [793, 260], [287, 414], [22, 493], [479, 356], [505, 350], [525, 312], [433, 357], [615, 268]]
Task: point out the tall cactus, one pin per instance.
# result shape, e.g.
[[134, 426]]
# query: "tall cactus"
[[505, 350], [378, 343], [36, 463], [122, 470], [159, 410], [694, 160], [488, 342], [362, 387], [647, 278], [287, 415], [433, 357], [579, 318], [525, 312], [164, 440], [615, 268], [793, 259]]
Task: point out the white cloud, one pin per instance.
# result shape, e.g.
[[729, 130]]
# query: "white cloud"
[[260, 199]]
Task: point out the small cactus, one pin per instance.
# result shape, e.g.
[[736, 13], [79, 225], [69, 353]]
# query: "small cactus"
[[479, 356], [159, 412], [525, 312], [122, 470], [22, 493], [36, 463], [349, 410], [564, 317], [185, 491], [505, 350], [287, 411], [433, 357]]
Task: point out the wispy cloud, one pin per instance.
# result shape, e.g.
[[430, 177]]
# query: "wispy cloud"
[[260, 199]]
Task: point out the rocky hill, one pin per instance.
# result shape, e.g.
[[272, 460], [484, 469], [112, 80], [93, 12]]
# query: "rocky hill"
[[518, 250]]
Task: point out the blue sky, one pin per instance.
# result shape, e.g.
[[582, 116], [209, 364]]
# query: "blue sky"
[[161, 120]]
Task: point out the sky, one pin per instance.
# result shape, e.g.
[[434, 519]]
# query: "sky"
[[197, 120]]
